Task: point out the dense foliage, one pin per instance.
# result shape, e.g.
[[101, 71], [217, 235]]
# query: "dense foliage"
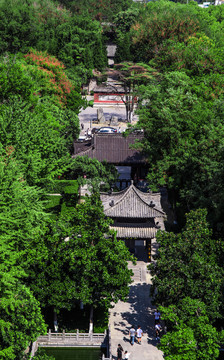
[[188, 278], [181, 112], [189, 326], [181, 109], [102, 10], [188, 264], [48, 51], [46, 25]]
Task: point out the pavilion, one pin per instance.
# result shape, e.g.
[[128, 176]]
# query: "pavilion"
[[137, 216]]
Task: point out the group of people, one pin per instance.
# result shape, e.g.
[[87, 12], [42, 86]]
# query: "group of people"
[[138, 333], [120, 352], [133, 333], [158, 327]]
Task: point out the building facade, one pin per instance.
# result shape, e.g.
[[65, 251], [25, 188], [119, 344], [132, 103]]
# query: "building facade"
[[137, 216]]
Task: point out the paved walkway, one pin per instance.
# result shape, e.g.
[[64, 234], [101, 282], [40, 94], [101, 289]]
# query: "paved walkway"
[[136, 311], [87, 115]]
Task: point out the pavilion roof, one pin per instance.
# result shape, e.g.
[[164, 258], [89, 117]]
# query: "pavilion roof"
[[132, 203]]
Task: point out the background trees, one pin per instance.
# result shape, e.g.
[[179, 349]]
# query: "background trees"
[[48, 26], [181, 111], [99, 10], [183, 135]]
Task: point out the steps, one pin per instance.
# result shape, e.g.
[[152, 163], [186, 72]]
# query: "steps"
[[137, 271]]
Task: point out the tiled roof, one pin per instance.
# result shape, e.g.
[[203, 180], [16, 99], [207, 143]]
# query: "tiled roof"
[[132, 203], [114, 148]]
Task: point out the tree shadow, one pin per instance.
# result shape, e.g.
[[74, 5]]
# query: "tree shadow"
[[141, 313]]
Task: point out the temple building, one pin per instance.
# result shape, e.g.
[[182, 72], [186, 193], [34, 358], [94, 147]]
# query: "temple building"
[[118, 150], [137, 216]]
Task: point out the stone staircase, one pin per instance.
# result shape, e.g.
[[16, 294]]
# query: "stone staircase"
[[139, 274], [137, 271]]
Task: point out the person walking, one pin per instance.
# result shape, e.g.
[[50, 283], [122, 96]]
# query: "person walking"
[[139, 334], [119, 352], [132, 333], [157, 316], [158, 329]]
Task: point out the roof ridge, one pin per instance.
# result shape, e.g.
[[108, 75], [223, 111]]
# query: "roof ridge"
[[138, 192]]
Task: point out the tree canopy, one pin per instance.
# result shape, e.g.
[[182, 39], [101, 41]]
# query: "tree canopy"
[[191, 336], [188, 264], [48, 26], [188, 282]]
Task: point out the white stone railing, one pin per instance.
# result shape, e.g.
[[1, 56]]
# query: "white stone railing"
[[71, 338]]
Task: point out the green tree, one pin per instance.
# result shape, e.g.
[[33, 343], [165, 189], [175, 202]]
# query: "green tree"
[[84, 261], [125, 19], [183, 135], [189, 315], [198, 56], [158, 22], [93, 171], [131, 76], [35, 138], [99, 10], [179, 345], [102, 272], [21, 320], [47, 26], [188, 265], [123, 22], [22, 211]]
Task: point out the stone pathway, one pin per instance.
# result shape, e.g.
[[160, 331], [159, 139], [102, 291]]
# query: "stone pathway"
[[136, 311]]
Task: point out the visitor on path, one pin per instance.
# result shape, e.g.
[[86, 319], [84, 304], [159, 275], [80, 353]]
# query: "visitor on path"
[[139, 334], [158, 330], [126, 355], [119, 352], [82, 126], [132, 333], [157, 316]]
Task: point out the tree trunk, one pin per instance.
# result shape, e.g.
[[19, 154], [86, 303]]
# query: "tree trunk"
[[91, 320]]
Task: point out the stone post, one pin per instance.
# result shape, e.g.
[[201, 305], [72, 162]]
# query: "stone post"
[[100, 116]]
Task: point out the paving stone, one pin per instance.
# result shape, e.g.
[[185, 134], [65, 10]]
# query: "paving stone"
[[136, 311]]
